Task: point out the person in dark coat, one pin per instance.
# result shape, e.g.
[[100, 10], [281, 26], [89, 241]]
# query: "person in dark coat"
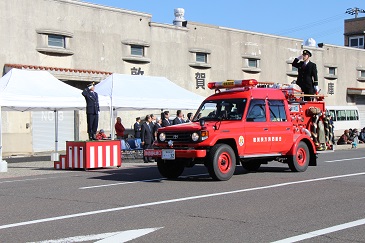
[[137, 128], [147, 136], [92, 110], [166, 119], [157, 125], [179, 118], [190, 117], [307, 74]]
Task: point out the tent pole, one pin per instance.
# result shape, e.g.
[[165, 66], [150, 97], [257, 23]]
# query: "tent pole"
[[55, 155], [56, 130], [111, 123], [3, 163]]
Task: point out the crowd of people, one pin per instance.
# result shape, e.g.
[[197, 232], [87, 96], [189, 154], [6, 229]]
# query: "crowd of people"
[[145, 133], [352, 136]]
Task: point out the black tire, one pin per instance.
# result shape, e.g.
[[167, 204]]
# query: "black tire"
[[300, 160], [222, 162], [251, 165], [171, 169]]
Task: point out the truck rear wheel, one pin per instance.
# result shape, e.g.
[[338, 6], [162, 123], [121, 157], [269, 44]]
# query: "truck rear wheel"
[[299, 161], [222, 162], [171, 169]]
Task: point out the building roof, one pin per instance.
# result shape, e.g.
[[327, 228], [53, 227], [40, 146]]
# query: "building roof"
[[34, 67]]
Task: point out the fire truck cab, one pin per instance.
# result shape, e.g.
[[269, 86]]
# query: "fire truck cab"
[[245, 124]]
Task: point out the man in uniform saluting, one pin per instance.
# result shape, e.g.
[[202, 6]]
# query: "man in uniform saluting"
[[92, 110], [307, 74]]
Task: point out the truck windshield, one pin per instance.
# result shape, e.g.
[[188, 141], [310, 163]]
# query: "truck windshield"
[[230, 109]]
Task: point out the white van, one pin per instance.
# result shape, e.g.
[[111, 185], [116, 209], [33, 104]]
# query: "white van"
[[344, 117]]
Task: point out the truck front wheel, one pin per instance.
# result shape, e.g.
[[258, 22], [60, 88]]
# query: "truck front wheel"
[[171, 169], [222, 162], [299, 161]]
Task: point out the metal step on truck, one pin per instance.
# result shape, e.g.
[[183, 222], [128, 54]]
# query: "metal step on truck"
[[245, 123]]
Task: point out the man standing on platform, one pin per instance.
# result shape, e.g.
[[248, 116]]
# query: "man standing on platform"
[[92, 110], [307, 74]]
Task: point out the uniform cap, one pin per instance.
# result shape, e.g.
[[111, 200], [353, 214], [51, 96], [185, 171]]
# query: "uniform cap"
[[306, 52], [102, 130]]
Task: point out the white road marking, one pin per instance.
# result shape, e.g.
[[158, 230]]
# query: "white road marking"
[[339, 160], [37, 221], [322, 231], [113, 237], [35, 179], [132, 182]]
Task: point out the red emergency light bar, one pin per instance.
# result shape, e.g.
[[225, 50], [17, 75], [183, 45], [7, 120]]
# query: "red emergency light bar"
[[233, 84]]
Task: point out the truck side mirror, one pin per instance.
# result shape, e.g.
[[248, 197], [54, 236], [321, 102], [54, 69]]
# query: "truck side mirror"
[[202, 122]]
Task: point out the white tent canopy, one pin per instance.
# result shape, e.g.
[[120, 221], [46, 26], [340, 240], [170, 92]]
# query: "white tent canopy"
[[137, 92], [24, 90]]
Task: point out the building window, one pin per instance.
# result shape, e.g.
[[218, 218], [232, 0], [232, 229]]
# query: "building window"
[[362, 74], [201, 57], [332, 71], [294, 69], [252, 63], [137, 50], [357, 42], [56, 41]]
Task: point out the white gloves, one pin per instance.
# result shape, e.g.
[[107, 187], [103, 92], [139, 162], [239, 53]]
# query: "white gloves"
[[316, 88], [300, 57]]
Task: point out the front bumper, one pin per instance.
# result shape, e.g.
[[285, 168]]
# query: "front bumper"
[[179, 153]]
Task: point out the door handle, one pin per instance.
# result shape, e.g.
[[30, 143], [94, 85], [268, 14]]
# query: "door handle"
[[288, 128], [266, 129]]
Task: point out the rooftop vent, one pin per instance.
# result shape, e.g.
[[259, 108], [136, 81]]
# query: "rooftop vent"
[[310, 42], [179, 17]]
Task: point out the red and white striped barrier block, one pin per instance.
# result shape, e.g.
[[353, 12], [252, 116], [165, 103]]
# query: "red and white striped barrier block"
[[93, 154], [61, 165]]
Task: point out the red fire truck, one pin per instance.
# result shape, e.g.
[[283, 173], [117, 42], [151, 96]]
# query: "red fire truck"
[[248, 124]]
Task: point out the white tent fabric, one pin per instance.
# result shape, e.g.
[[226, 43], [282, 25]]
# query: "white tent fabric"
[[23, 90], [137, 92]]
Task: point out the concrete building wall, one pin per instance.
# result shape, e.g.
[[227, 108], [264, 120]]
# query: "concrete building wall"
[[100, 38]]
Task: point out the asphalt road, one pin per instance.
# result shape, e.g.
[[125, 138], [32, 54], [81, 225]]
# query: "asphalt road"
[[324, 204]]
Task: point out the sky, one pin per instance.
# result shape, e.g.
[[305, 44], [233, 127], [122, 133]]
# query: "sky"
[[322, 20]]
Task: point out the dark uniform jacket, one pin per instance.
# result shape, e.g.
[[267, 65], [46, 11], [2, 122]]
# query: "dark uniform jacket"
[[166, 123], [307, 76], [137, 130], [177, 121], [147, 133], [92, 101]]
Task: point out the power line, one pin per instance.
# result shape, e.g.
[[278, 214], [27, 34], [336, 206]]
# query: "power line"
[[312, 24]]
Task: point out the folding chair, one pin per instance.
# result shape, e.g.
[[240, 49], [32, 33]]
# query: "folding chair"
[[127, 151], [135, 145]]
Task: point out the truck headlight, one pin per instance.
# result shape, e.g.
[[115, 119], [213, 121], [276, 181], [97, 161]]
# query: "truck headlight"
[[195, 136], [162, 137]]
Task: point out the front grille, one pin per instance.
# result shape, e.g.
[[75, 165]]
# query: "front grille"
[[178, 137]]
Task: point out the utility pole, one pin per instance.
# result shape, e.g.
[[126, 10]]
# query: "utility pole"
[[354, 11]]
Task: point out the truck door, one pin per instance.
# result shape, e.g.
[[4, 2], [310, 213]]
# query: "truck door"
[[280, 127], [257, 129]]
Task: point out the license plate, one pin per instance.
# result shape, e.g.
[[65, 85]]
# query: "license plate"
[[168, 154]]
